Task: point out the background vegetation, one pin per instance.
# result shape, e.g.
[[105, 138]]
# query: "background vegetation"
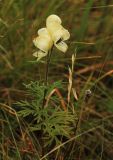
[[91, 26]]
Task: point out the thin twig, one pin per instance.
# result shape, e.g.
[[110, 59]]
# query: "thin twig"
[[55, 90], [93, 67]]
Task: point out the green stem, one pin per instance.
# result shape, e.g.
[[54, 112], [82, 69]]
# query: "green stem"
[[46, 75], [45, 92]]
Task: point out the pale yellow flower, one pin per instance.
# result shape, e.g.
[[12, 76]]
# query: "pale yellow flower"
[[54, 33], [53, 18], [43, 42], [58, 33]]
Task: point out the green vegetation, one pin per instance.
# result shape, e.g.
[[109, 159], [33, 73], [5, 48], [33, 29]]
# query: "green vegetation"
[[71, 117]]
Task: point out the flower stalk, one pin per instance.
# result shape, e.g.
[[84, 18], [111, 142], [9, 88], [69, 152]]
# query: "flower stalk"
[[46, 75], [45, 92]]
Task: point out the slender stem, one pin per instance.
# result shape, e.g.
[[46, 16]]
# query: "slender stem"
[[46, 75], [78, 123], [45, 92], [47, 68]]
